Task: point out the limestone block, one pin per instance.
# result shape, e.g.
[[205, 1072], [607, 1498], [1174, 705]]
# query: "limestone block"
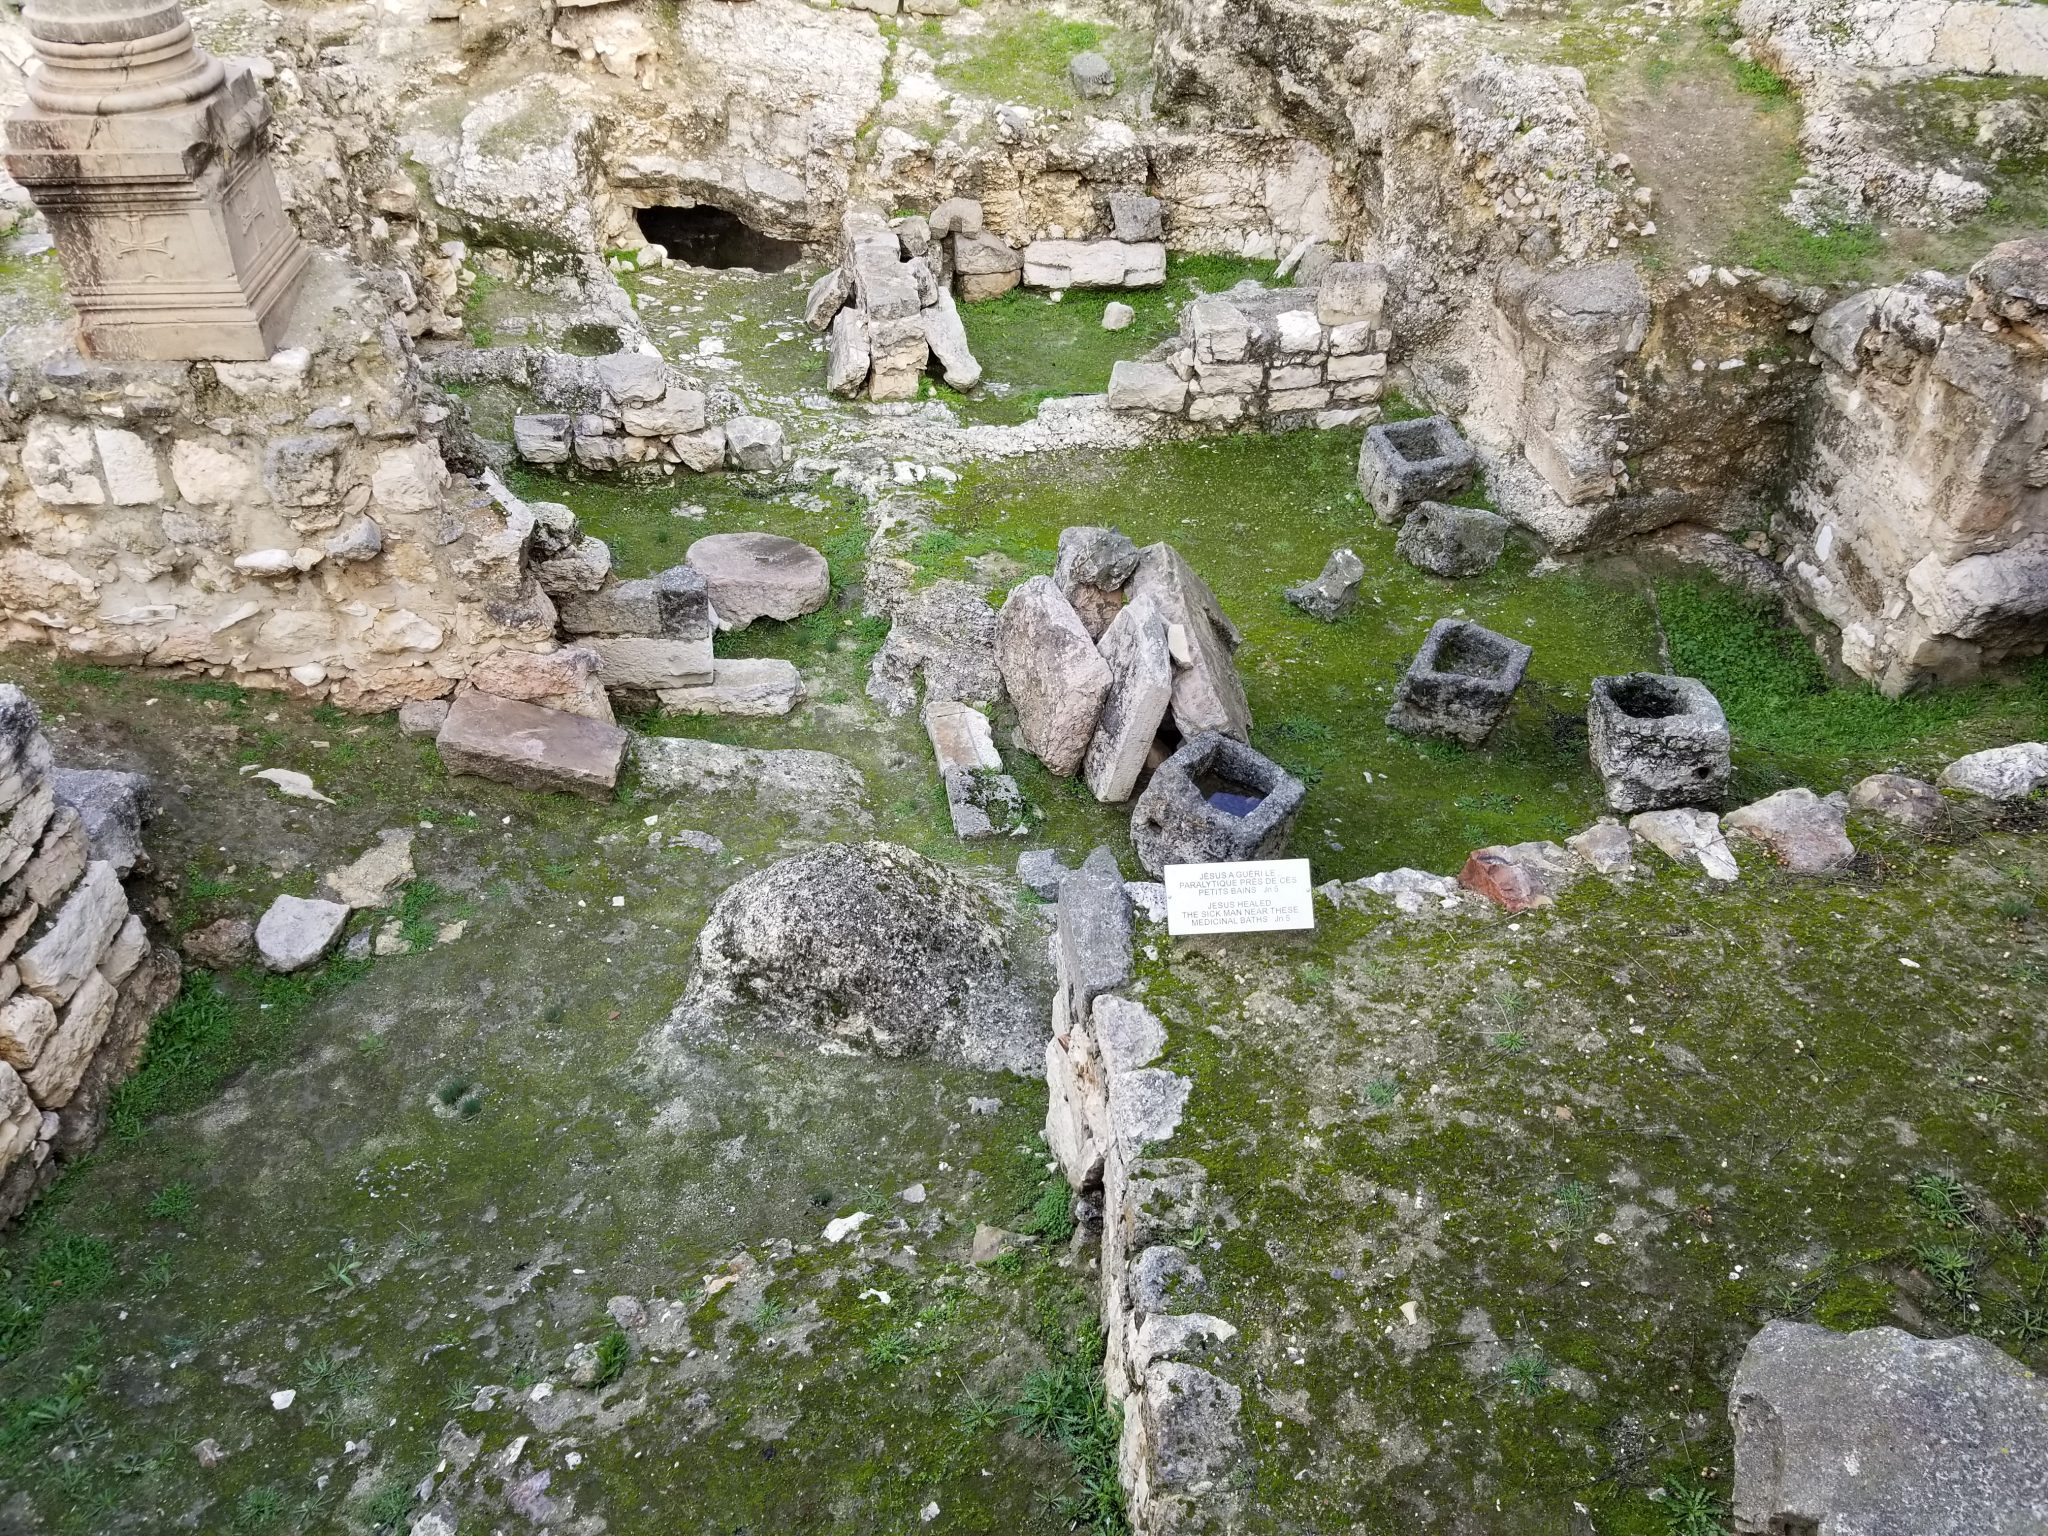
[[542, 439], [26, 1024], [984, 266], [24, 829], [409, 478], [1350, 292], [750, 576], [754, 444], [947, 338], [883, 283], [127, 950], [1052, 672], [567, 679], [981, 800], [1281, 379], [1219, 330], [1208, 695], [1153, 387], [300, 471], [701, 452], [898, 352], [64, 1058], [1135, 218], [651, 664], [1352, 338], [55, 965], [1686, 835], [1799, 829], [603, 453], [1281, 401], [827, 298], [357, 541], [956, 216], [20, 1119], [61, 464], [1360, 365], [1217, 410], [745, 686], [1229, 378], [678, 410], [128, 468], [1907, 802], [1091, 75], [582, 569], [58, 861], [631, 378], [1298, 332], [1133, 647], [2000, 773], [296, 931]]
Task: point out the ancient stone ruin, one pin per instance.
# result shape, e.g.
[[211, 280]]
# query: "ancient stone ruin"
[[624, 618]]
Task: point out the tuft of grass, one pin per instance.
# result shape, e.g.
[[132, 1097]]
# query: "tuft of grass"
[[415, 902], [1691, 1508], [1528, 1372], [612, 1351], [1953, 1270], [1945, 1198], [172, 1203], [1051, 1215]]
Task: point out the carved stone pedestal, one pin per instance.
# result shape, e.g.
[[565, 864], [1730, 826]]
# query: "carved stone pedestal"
[[148, 158]]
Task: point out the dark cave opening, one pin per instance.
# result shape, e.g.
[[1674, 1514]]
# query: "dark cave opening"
[[704, 236]]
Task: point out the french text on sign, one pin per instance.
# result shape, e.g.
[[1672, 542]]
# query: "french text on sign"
[[1258, 896]]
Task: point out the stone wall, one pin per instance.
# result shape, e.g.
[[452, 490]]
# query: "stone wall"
[[1917, 519], [80, 982], [1182, 1459], [292, 523]]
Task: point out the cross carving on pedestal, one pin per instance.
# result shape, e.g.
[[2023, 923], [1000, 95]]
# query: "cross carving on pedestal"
[[135, 243]]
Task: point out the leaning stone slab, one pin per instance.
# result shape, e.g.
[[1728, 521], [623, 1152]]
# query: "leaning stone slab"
[[1518, 877], [1686, 835], [1091, 941], [1333, 594], [1877, 1431], [1208, 695], [1800, 830], [947, 338], [827, 299], [1658, 741], [1052, 672], [58, 962], [2002, 773], [848, 355], [531, 747], [753, 576], [761, 687], [1140, 693], [295, 932]]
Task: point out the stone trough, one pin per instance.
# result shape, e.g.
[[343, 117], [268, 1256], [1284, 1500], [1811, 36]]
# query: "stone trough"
[[1402, 464], [1214, 801], [1657, 741], [1460, 685]]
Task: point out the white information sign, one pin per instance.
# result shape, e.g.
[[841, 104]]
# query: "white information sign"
[[1255, 897]]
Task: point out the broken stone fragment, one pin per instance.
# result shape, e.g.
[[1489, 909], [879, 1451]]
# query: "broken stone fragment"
[[1117, 315], [1520, 876], [827, 299], [1799, 829], [1052, 672], [1606, 846], [956, 216], [1091, 75], [375, 878], [1208, 695], [296, 932], [55, 965], [947, 339], [110, 804], [1333, 594], [981, 799], [422, 717], [984, 266], [754, 444], [2001, 773], [1906, 802], [848, 357], [1150, 387], [1135, 218], [223, 943], [1685, 835]]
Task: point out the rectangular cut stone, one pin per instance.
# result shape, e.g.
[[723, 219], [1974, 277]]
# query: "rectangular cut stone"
[[531, 747], [1208, 695], [757, 686], [1135, 386], [1229, 378], [55, 965], [1140, 692], [1298, 400], [1352, 338], [1305, 377], [645, 662], [127, 950], [59, 859], [24, 829], [54, 1077], [1363, 365], [1218, 409]]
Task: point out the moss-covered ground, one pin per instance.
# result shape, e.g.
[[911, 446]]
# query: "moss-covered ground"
[[1590, 1150], [404, 1186]]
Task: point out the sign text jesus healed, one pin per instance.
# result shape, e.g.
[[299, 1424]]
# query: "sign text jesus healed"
[[1254, 897]]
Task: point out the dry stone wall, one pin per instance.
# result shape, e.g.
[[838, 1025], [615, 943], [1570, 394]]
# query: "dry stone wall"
[[292, 523], [80, 981]]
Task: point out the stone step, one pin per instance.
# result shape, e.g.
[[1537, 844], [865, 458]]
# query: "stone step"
[[531, 747]]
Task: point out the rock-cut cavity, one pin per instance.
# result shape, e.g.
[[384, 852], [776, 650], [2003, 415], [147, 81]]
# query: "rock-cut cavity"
[[704, 236], [870, 946]]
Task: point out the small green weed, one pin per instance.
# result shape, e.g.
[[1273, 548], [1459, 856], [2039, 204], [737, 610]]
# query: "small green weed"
[[1528, 1372], [612, 1350], [171, 1203], [1944, 1197]]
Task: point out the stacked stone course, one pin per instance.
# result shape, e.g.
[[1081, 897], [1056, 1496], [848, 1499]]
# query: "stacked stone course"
[[80, 981]]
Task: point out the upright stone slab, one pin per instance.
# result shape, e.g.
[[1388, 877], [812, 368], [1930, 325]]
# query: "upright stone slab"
[[1052, 672], [1208, 695], [149, 159], [1140, 692]]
